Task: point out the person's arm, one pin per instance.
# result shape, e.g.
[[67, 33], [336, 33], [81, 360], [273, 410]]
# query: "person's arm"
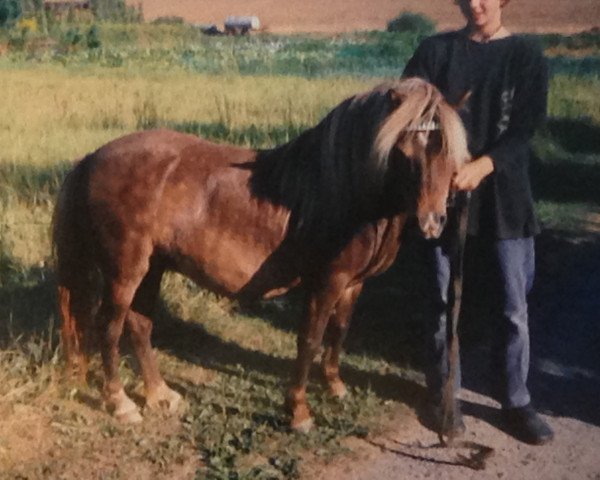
[[472, 173], [527, 114], [422, 63]]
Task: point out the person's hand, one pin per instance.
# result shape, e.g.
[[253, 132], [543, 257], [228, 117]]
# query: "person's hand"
[[471, 174]]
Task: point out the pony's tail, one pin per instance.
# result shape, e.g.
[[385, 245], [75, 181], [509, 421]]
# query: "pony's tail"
[[76, 270]]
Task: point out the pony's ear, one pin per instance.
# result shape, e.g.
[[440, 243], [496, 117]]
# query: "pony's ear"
[[394, 96], [462, 101]]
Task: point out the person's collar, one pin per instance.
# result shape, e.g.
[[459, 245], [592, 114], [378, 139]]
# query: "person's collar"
[[480, 37]]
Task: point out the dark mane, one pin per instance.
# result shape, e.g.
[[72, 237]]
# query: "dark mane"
[[322, 175], [333, 176]]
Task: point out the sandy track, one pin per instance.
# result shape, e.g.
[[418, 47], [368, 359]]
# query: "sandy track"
[[410, 452], [331, 16]]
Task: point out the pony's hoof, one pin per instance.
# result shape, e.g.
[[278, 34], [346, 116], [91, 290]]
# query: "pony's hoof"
[[302, 426], [129, 418], [296, 406], [123, 408], [337, 389], [163, 398]]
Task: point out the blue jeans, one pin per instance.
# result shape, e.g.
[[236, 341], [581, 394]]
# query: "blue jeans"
[[502, 272]]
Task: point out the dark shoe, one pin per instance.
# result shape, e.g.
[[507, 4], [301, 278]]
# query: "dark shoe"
[[454, 428], [526, 425]]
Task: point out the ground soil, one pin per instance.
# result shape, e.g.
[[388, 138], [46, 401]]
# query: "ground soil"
[[333, 16], [412, 452], [564, 381]]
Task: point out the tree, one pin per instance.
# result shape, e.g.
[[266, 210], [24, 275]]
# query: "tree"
[[414, 23], [10, 10]]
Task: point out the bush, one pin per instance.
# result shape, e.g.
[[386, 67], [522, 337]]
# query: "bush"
[[169, 20], [10, 10], [92, 38], [414, 23], [71, 38], [18, 39]]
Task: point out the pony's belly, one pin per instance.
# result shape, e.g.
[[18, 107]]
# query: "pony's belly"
[[233, 267]]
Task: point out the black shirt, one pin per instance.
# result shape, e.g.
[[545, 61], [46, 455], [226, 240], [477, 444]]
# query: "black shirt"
[[508, 82]]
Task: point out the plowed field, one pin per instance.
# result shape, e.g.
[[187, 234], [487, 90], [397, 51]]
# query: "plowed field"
[[332, 16]]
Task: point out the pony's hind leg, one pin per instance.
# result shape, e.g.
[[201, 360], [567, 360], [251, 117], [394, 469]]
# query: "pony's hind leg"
[[77, 302], [139, 323], [74, 329], [334, 338], [118, 295]]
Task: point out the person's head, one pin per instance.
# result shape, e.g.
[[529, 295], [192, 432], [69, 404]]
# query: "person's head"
[[482, 14]]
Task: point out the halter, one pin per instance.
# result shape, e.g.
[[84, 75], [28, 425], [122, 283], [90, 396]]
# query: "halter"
[[423, 127]]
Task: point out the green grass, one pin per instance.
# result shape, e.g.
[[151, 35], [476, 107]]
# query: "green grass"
[[53, 119], [183, 47], [566, 171], [258, 91]]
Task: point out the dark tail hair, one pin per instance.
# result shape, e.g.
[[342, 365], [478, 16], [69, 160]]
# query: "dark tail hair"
[[76, 268]]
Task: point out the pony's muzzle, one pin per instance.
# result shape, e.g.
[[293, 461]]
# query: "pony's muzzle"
[[432, 224]]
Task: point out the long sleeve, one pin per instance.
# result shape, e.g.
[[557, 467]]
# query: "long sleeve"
[[421, 64], [523, 111]]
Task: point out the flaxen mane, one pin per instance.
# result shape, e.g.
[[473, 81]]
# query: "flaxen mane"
[[333, 176], [422, 109]]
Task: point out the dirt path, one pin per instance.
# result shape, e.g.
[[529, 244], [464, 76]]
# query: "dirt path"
[[565, 382], [573, 454]]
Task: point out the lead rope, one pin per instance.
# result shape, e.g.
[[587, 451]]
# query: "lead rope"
[[460, 203], [479, 453]]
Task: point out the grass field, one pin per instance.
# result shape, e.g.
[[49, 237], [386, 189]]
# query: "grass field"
[[231, 366]]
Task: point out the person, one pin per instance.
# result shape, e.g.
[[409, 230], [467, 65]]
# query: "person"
[[504, 80]]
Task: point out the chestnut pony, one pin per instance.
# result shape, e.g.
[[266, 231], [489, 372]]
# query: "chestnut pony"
[[325, 210]]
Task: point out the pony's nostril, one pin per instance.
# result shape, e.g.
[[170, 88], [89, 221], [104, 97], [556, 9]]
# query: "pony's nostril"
[[443, 219]]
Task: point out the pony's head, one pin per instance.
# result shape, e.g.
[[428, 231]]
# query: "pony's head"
[[424, 142], [391, 149]]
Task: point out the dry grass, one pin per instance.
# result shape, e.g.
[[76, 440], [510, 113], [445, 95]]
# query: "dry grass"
[[51, 115]]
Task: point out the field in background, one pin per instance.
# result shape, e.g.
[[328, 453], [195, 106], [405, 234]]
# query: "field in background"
[[335, 16], [230, 365]]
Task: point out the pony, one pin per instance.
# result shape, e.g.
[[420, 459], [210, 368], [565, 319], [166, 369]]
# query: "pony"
[[325, 211]]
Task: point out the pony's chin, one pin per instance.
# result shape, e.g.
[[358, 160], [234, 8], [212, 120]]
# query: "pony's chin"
[[432, 224], [431, 230], [429, 235]]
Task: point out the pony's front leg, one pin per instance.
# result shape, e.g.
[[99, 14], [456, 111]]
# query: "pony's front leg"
[[111, 317], [309, 341], [334, 338]]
